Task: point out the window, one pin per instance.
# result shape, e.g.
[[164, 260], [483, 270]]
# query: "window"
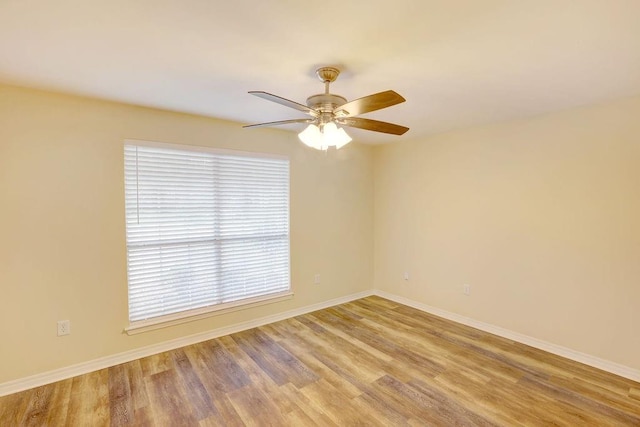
[[206, 229]]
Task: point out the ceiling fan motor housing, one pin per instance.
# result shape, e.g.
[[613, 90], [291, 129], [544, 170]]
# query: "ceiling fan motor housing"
[[325, 101]]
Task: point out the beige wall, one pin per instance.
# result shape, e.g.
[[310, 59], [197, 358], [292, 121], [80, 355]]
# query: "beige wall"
[[541, 217], [62, 236]]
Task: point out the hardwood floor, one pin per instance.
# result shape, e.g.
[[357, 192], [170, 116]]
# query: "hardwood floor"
[[369, 362]]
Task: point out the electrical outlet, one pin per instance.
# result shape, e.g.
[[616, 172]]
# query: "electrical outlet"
[[64, 327], [406, 275], [316, 279], [466, 289]]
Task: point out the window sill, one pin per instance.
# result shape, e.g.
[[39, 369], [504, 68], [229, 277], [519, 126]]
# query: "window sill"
[[202, 313]]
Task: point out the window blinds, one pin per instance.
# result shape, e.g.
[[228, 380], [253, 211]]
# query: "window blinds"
[[203, 228]]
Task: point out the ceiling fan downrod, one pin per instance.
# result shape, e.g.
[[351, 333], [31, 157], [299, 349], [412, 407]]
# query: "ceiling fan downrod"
[[327, 75]]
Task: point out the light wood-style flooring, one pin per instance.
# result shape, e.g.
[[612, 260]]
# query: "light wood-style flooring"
[[369, 362]]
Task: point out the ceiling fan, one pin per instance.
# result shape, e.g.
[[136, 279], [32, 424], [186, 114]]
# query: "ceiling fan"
[[328, 110]]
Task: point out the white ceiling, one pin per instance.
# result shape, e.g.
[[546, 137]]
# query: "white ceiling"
[[457, 62]]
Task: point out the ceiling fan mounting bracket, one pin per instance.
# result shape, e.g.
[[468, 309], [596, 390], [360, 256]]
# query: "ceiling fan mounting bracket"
[[327, 74]]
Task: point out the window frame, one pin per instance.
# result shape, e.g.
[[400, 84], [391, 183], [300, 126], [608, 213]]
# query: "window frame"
[[138, 326]]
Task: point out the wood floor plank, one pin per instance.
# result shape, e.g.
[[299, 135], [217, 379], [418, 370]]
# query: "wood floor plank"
[[89, 399], [431, 405], [226, 415], [249, 343], [300, 418], [342, 362], [305, 405], [136, 383], [384, 413], [165, 395], [583, 402], [368, 362], [273, 333], [321, 370], [595, 393], [348, 331], [256, 376], [255, 408], [13, 407], [39, 404], [219, 370], [385, 344], [298, 373], [262, 381], [120, 401], [156, 363], [200, 401], [337, 407]]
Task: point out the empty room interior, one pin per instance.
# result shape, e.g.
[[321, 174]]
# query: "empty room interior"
[[333, 213]]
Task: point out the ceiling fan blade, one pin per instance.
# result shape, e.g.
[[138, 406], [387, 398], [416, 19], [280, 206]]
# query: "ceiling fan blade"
[[283, 101], [374, 102], [280, 122], [374, 125]]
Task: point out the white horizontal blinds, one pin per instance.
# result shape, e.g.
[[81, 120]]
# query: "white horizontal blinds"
[[203, 228], [253, 226]]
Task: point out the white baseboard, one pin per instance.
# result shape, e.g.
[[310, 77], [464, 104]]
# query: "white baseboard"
[[605, 365], [127, 356]]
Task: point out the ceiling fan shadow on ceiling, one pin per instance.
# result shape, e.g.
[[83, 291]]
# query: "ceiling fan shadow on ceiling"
[[328, 111]]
